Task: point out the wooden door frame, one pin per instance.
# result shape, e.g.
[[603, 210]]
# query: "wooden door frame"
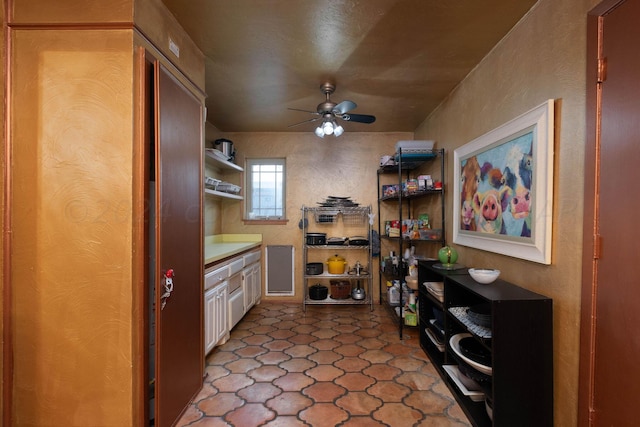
[[590, 246]]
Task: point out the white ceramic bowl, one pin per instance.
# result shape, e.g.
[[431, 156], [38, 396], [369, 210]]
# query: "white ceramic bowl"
[[483, 275]]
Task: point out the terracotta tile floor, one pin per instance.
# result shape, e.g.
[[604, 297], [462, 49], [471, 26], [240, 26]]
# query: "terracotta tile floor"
[[331, 366]]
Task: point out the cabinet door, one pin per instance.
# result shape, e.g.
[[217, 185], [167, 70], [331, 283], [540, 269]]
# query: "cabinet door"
[[247, 287], [178, 176], [248, 277], [222, 326], [257, 283], [210, 328]]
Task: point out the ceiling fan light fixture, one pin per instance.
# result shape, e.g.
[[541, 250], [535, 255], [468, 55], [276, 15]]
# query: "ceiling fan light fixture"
[[327, 127], [329, 112]]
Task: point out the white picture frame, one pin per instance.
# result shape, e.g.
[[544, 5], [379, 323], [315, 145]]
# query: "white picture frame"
[[503, 188]]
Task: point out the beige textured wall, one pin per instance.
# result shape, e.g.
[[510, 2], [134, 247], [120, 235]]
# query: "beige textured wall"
[[316, 168], [543, 58]]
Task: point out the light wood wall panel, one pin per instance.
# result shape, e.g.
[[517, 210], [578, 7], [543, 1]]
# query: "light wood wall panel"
[[70, 11], [151, 17], [71, 139], [158, 24]]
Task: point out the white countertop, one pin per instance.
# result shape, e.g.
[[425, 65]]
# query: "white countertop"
[[221, 246]]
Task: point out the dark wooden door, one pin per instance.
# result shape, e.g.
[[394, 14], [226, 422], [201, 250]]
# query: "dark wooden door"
[[615, 341], [179, 362]]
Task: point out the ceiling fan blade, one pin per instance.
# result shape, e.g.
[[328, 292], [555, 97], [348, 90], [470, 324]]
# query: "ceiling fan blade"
[[344, 106], [306, 121], [360, 118], [306, 111]]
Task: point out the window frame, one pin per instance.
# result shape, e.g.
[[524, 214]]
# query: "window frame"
[[249, 189]]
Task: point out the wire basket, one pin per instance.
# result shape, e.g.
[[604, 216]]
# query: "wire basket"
[[354, 217], [350, 215], [326, 217], [228, 187], [211, 182]]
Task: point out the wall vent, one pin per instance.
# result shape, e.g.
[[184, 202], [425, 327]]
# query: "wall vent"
[[279, 262]]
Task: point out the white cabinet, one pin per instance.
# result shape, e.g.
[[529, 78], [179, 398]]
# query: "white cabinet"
[[216, 330], [236, 294], [251, 283], [257, 277], [216, 296], [221, 326], [252, 279], [231, 288], [236, 307]]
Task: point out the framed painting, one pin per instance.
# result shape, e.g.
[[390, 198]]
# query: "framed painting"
[[503, 188]]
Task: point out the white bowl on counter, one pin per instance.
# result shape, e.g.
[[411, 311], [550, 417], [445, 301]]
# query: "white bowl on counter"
[[484, 275]]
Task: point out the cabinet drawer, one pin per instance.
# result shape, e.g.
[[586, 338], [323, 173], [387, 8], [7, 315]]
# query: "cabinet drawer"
[[235, 266], [215, 276], [236, 307], [252, 257], [235, 282]]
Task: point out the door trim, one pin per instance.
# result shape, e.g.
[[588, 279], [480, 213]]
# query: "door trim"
[[591, 214]]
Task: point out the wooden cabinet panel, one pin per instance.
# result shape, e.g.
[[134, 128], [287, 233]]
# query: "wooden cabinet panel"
[[71, 254], [70, 11]]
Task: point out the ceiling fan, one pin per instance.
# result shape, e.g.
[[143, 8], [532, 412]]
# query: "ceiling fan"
[[328, 111]]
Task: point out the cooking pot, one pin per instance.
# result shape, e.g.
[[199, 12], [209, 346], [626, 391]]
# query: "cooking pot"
[[316, 238], [318, 292], [358, 293], [337, 264], [314, 268], [227, 148]]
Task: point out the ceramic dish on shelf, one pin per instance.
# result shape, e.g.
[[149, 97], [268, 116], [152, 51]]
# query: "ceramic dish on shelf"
[[484, 275], [454, 342], [452, 371], [480, 314], [439, 345], [472, 349]]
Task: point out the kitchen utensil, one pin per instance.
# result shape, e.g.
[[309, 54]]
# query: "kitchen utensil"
[[316, 238], [318, 292], [336, 264], [314, 268], [358, 293]]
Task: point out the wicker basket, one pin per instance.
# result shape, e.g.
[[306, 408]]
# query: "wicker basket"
[[340, 289]]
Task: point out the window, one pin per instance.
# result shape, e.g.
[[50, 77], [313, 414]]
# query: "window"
[[265, 189]]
